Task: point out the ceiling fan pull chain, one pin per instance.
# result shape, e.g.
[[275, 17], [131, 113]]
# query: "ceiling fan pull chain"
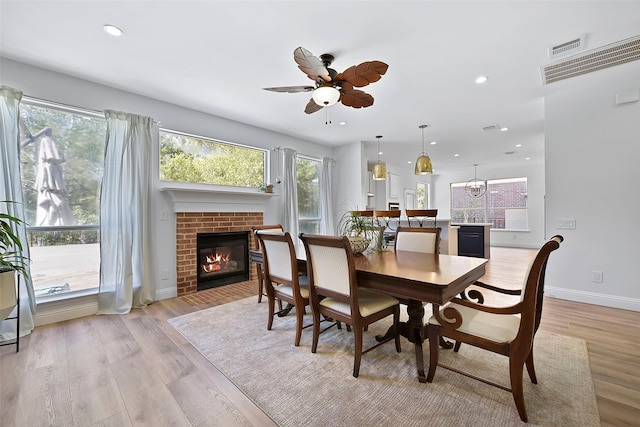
[[327, 120]]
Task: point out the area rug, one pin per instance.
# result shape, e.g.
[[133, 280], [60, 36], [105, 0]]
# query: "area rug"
[[298, 388]]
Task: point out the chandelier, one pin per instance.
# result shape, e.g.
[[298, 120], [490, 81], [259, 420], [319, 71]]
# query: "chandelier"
[[475, 187]]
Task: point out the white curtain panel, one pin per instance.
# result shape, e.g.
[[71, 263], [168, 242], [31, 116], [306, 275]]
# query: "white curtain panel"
[[126, 269], [289, 198], [11, 189], [326, 195]]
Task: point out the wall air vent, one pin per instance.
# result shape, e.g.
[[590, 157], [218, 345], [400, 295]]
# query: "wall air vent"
[[597, 59]]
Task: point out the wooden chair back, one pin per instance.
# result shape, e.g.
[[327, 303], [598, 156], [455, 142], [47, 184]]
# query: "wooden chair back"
[[331, 268], [265, 227], [422, 216], [416, 239]]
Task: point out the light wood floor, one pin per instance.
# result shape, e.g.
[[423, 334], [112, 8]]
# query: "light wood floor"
[[136, 370]]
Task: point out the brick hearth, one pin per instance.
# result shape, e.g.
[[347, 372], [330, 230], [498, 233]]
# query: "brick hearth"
[[189, 224]]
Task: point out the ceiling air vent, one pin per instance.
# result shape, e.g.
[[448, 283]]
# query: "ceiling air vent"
[[567, 48], [491, 127], [593, 60]]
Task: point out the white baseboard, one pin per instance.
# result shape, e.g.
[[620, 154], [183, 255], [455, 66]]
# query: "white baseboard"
[[67, 309], [612, 301], [166, 293], [59, 311], [517, 245]]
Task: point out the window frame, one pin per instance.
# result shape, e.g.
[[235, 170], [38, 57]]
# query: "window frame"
[[66, 109], [221, 187], [486, 206], [318, 161]]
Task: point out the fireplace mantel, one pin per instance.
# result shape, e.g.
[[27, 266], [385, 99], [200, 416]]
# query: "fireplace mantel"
[[213, 198]]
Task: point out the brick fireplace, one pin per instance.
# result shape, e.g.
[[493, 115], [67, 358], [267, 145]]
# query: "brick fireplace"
[[189, 224]]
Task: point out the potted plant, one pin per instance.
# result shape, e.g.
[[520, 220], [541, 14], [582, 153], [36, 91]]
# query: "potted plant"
[[266, 188], [11, 258], [358, 228]]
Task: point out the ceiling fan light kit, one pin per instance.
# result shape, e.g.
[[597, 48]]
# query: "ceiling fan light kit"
[[379, 170], [330, 86], [326, 96], [423, 162]]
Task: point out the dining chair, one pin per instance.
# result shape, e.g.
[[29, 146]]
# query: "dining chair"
[[390, 220], [259, 270], [281, 278], [416, 239], [509, 331], [334, 293], [422, 216]]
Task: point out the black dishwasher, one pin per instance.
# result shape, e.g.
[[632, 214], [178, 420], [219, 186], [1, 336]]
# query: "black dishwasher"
[[471, 241]]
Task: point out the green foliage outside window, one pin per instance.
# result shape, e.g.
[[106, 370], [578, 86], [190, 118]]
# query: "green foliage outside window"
[[186, 158], [81, 139], [307, 175]]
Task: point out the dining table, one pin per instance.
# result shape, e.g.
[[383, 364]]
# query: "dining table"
[[417, 278], [414, 278]]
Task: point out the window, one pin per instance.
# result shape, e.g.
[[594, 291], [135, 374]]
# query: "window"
[[188, 158], [308, 173], [61, 154], [504, 204]]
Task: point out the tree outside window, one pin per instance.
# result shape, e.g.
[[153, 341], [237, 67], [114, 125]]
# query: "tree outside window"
[[308, 172], [187, 158]]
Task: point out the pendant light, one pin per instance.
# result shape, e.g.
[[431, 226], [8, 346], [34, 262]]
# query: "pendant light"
[[379, 169], [423, 163], [475, 187]]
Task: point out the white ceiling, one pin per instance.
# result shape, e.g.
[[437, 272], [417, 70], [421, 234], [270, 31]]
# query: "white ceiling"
[[216, 56]]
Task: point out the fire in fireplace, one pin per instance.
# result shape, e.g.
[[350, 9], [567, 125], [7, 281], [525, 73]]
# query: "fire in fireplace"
[[223, 258]]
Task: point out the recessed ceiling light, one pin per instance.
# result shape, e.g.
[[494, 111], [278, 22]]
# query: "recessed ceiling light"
[[113, 30], [409, 161], [518, 145], [433, 143], [482, 79], [343, 123], [456, 155], [527, 158], [380, 153], [504, 129]]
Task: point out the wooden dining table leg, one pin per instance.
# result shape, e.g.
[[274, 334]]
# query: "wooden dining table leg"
[[414, 331]]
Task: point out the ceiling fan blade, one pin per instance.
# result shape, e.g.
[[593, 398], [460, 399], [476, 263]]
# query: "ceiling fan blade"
[[363, 74], [290, 89], [355, 98], [311, 65], [312, 107]]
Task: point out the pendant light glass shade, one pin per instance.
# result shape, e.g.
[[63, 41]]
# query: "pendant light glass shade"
[[325, 96], [423, 163], [379, 170]]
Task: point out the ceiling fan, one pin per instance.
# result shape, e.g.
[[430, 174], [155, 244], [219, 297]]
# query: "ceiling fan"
[[331, 86]]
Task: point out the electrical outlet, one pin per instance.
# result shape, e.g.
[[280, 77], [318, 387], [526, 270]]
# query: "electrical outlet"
[[566, 223], [164, 274], [596, 276], [163, 215]]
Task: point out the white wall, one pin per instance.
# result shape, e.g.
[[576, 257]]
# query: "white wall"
[[64, 89], [592, 152], [350, 179]]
